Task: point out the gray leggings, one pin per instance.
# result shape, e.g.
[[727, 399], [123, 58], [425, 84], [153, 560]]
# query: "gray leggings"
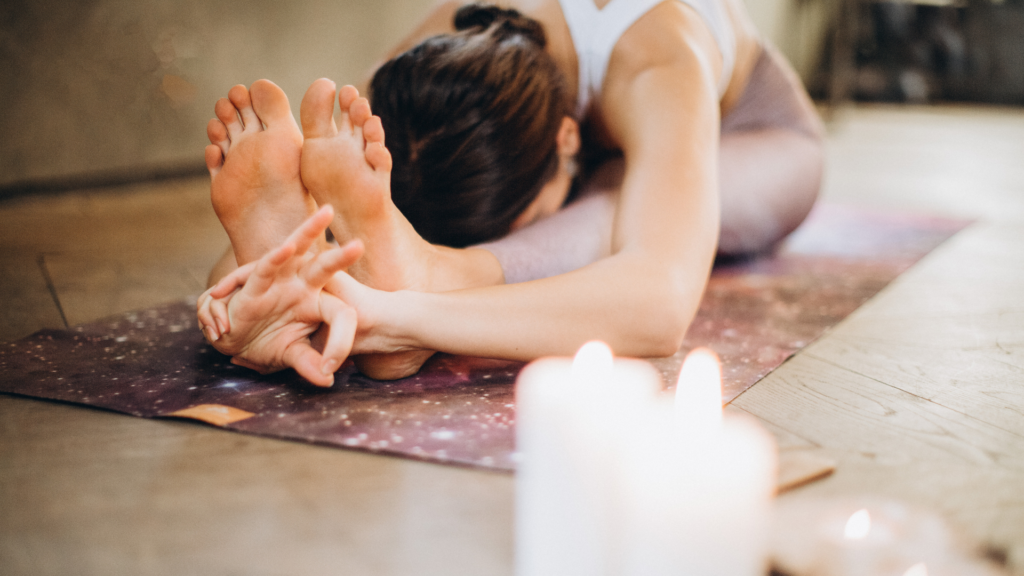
[[770, 167]]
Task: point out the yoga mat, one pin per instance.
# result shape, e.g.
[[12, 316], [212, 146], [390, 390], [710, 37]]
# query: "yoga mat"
[[756, 313]]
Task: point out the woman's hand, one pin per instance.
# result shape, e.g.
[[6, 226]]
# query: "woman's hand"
[[264, 313]]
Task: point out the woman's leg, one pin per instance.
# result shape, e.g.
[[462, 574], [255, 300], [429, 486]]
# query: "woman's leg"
[[771, 159], [769, 181], [571, 238]]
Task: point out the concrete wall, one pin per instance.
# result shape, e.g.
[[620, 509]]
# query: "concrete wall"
[[796, 27], [102, 87]]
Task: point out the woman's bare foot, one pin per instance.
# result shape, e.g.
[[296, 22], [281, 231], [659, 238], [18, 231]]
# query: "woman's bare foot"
[[253, 160], [346, 165]]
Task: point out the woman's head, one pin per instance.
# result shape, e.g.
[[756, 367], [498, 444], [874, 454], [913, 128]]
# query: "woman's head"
[[471, 120]]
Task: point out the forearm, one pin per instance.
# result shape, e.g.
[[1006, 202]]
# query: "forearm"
[[639, 306]]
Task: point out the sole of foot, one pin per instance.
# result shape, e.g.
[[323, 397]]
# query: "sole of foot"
[[254, 163], [346, 164]]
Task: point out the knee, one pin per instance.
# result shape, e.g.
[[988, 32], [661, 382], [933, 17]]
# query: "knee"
[[762, 207], [805, 186]]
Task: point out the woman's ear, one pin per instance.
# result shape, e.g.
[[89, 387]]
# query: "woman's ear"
[[568, 138]]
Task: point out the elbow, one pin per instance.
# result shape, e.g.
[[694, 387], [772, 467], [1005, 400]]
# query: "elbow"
[[667, 316], [666, 338]]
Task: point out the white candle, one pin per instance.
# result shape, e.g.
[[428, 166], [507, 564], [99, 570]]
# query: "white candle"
[[568, 417], [614, 479], [700, 485]]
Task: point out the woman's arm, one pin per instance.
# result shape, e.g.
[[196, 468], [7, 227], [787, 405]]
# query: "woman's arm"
[[661, 106]]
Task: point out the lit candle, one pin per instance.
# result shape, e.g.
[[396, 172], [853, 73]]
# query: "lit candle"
[[568, 418], [868, 537], [858, 526], [919, 569], [616, 479], [699, 485]]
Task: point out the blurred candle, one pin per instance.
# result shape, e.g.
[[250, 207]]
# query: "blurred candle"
[[858, 526], [919, 569], [700, 485], [699, 393], [616, 478], [568, 417]]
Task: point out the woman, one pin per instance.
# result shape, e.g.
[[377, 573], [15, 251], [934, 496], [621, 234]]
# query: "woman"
[[699, 137]]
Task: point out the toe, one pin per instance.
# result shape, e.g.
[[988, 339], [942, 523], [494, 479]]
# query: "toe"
[[317, 110], [373, 130], [359, 112], [239, 96], [347, 95], [271, 103], [228, 115], [378, 156], [214, 159], [218, 135]]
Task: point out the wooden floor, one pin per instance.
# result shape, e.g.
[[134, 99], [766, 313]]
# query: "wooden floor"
[[919, 396]]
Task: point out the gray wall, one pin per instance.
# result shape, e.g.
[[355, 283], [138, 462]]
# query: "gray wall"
[[92, 87], [97, 89]]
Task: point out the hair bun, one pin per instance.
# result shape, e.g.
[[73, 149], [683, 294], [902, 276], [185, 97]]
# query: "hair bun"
[[508, 22]]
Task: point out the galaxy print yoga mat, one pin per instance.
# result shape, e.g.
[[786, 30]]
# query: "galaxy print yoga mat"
[[458, 410]]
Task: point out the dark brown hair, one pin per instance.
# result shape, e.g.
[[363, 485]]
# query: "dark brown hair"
[[471, 120]]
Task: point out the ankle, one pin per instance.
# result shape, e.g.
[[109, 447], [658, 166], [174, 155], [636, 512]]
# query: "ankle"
[[462, 268]]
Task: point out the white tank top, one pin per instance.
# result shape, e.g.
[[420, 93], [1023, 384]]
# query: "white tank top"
[[595, 33]]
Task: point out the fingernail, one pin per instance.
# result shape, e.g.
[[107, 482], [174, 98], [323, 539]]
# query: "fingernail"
[[211, 334], [329, 367]]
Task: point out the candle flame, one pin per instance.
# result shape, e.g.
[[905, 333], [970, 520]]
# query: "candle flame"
[[858, 526], [699, 390], [918, 569], [592, 363]]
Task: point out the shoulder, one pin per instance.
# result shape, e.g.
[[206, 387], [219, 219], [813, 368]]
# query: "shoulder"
[[667, 64], [672, 34]]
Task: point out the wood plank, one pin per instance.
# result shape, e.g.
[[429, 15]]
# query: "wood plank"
[[94, 285], [984, 505], [949, 331], [91, 492], [861, 418], [173, 214], [109, 251], [28, 305], [957, 160], [892, 443]]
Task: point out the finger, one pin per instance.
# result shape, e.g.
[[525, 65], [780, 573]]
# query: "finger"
[[312, 229], [202, 307], [213, 316], [219, 312], [210, 334], [202, 298], [207, 321], [268, 267], [238, 361], [234, 280], [341, 319], [327, 263], [307, 362]]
